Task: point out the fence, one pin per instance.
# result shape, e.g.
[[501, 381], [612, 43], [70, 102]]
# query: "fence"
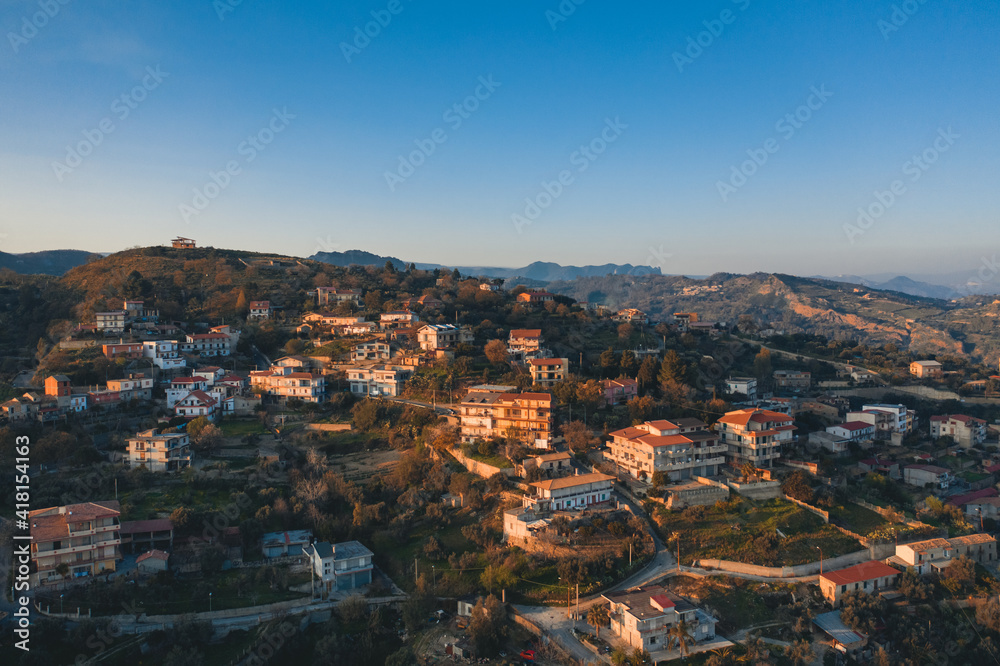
[[874, 552], [825, 515]]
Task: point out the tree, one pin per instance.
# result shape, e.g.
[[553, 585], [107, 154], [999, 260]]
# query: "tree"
[[762, 366], [619, 657], [797, 486], [578, 436], [960, 574], [609, 363], [496, 352], [625, 331], [597, 617], [681, 633], [748, 470], [488, 626], [801, 652], [208, 438], [647, 372], [988, 614], [641, 409], [672, 369], [640, 657], [629, 365]]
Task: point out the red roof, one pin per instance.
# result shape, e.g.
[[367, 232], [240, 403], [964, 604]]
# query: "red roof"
[[860, 572], [744, 416], [526, 333], [154, 555], [188, 380], [961, 500], [855, 425], [662, 601]]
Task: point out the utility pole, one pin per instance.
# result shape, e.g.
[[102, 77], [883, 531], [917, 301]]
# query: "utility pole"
[[577, 605], [416, 573]]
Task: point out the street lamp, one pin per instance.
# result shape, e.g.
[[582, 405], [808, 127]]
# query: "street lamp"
[[61, 603], [820, 559], [209, 602]]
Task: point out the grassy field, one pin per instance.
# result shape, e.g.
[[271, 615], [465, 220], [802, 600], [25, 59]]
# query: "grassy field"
[[144, 504], [743, 530], [857, 518], [242, 427]]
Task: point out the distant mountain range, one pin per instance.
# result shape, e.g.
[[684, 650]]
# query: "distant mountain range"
[[947, 287], [48, 262], [540, 271]]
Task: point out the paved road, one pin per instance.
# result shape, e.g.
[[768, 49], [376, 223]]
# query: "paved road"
[[440, 409]]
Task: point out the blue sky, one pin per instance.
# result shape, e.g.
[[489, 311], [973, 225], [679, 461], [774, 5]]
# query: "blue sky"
[[329, 127]]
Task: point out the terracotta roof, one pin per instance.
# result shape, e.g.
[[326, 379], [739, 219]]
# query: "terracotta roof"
[[572, 481], [526, 333], [547, 361], [855, 425], [744, 416], [153, 555], [860, 572], [972, 540], [188, 380]]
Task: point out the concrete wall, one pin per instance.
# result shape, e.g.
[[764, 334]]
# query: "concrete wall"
[[480, 468], [328, 427], [876, 552], [762, 490], [77, 344], [825, 515]]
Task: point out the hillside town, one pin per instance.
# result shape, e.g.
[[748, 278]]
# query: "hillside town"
[[415, 466]]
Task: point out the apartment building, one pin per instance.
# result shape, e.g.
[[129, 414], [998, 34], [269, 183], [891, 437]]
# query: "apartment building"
[[743, 385], [526, 417], [333, 295], [198, 403], [525, 344], [379, 380], [85, 537], [160, 452], [180, 387], [682, 449], [136, 386], [755, 435], [207, 344], [887, 419], [165, 354], [548, 371], [792, 380], [569, 492], [285, 383], [126, 350], [370, 351], [442, 336], [965, 430], [111, 322], [398, 319]]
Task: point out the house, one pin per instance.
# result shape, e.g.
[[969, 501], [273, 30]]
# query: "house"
[[85, 537], [618, 391], [552, 464], [138, 536], [339, 566], [922, 475], [755, 435], [526, 417], [112, 322], [333, 295], [792, 380], [835, 444], [426, 301], [260, 310], [535, 297], [180, 387], [104, 397], [643, 617], [298, 363], [965, 430], [17, 410], [379, 380], [286, 383], [398, 319], [58, 386], [136, 386], [442, 336], [521, 525], [79, 402], [983, 507], [211, 373], [936, 554], [962, 501], [207, 344], [681, 449], [126, 350], [579, 491], [489, 286], [926, 369], [867, 577], [183, 243], [853, 431], [887, 419], [285, 544], [195, 404], [331, 319], [370, 351], [164, 353], [153, 561], [548, 371], [882, 466], [631, 316], [160, 452], [525, 343], [742, 385]]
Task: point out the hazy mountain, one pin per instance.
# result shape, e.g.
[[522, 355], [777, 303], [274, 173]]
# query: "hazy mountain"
[[540, 271], [948, 286], [48, 262]]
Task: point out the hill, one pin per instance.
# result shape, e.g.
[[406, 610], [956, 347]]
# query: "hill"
[[48, 262], [808, 305]]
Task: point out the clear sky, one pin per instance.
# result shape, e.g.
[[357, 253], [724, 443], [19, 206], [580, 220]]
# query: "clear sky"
[[114, 116]]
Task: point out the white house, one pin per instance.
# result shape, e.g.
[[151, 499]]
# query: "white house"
[[339, 566]]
